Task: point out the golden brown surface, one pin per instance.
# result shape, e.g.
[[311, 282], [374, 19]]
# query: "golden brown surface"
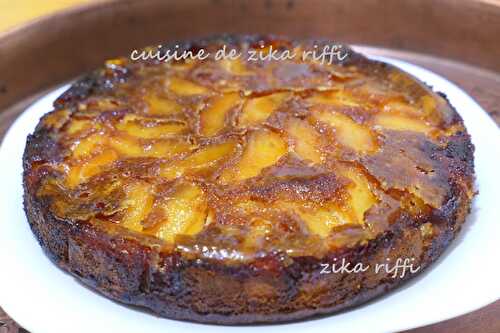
[[235, 161]]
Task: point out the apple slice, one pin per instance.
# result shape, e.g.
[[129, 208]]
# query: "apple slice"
[[138, 203], [90, 167], [400, 122], [321, 220], [150, 129], [87, 145], [348, 132], [205, 157], [184, 87], [159, 106], [166, 148], [184, 212], [257, 110], [361, 196], [264, 148], [212, 118], [306, 140]]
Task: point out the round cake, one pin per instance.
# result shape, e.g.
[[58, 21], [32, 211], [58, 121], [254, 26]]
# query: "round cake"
[[282, 182]]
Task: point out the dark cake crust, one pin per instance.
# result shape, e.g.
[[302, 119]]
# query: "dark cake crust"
[[270, 287]]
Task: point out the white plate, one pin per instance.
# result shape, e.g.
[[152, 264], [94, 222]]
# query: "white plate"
[[43, 298]]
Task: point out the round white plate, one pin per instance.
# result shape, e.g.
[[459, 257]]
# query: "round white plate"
[[44, 299]]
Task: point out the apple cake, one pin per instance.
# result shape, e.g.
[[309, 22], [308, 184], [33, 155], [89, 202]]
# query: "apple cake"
[[227, 190]]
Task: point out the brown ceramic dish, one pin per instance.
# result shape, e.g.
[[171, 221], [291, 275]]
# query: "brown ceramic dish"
[[216, 191]]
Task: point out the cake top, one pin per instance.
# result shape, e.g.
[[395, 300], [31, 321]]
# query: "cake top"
[[230, 158]]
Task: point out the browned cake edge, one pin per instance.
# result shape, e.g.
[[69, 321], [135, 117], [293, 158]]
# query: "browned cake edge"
[[210, 291]]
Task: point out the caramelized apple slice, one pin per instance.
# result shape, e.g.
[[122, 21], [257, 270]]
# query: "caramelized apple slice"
[[401, 108], [88, 168], [88, 145], [347, 131], [264, 148], [212, 119], [257, 110], [184, 87], [166, 148], [139, 201], [204, 158], [337, 98], [306, 141], [150, 129], [185, 212], [401, 123], [126, 146], [361, 196], [321, 219], [158, 106], [77, 126]]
